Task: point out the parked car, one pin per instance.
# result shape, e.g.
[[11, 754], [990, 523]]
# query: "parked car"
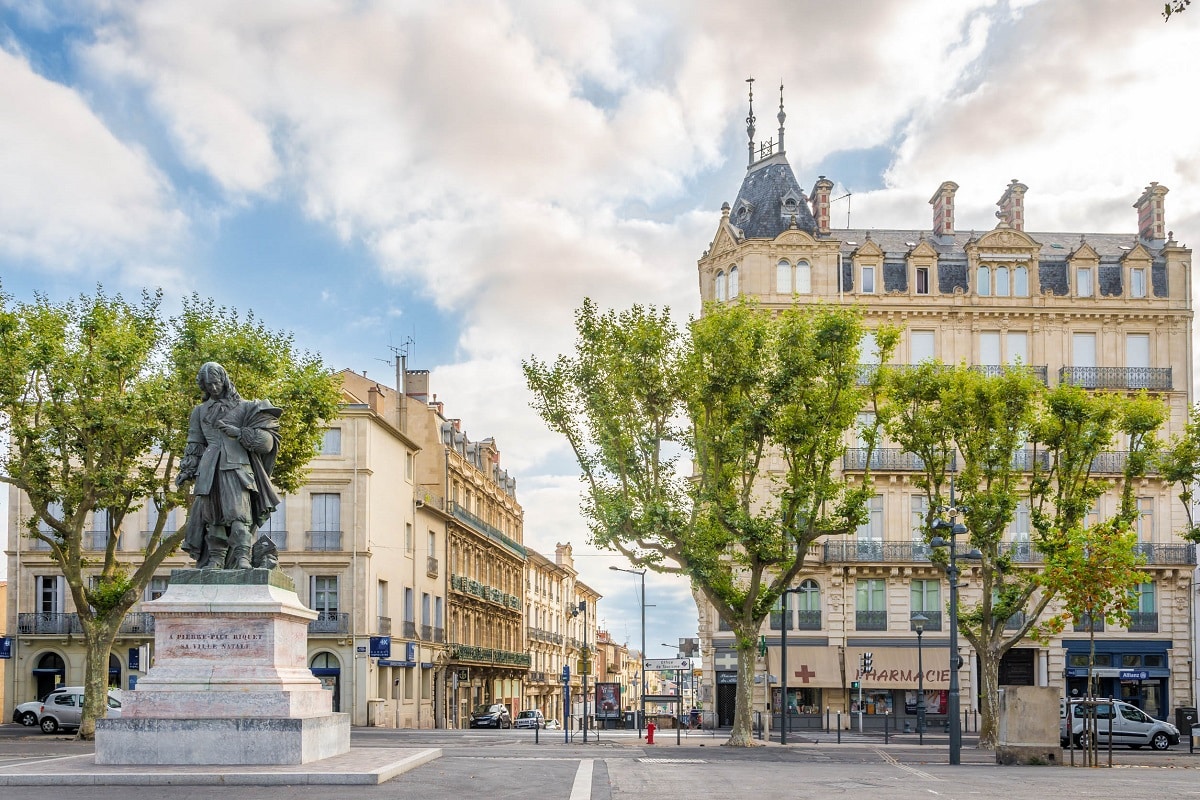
[[63, 709], [493, 715], [529, 719], [27, 713], [1129, 725]]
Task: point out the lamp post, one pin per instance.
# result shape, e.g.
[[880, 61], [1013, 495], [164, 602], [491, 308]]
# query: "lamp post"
[[783, 676], [918, 621], [587, 663], [642, 696], [947, 530]]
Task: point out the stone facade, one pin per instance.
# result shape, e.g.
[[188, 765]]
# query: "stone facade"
[[1106, 311]]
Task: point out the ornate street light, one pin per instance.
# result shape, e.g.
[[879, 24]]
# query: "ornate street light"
[[947, 530], [918, 621]]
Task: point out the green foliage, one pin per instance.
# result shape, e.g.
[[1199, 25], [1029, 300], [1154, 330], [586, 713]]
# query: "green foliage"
[[760, 402], [1179, 464], [94, 398], [1174, 7]]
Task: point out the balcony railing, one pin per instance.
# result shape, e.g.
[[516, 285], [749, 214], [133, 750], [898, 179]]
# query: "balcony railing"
[[891, 459], [463, 515], [467, 652], [1143, 622], [327, 541], [431, 566], [1015, 621], [933, 621], [408, 629], [1024, 460], [1086, 623], [1168, 553], [330, 622], [95, 540], [426, 633], [808, 620], [536, 677], [439, 635], [470, 586], [870, 620], [47, 624], [1117, 377], [1041, 372], [841, 551], [38, 544], [383, 626]]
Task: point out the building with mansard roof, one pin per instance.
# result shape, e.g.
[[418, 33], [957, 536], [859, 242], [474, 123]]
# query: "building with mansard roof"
[[1106, 311]]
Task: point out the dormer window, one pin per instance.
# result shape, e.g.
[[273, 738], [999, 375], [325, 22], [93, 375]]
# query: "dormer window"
[[790, 204], [1083, 282], [868, 280], [1137, 282], [1002, 281], [921, 280], [743, 212]]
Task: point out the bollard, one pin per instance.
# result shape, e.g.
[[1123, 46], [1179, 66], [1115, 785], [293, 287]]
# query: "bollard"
[[839, 721], [650, 728], [886, 719]]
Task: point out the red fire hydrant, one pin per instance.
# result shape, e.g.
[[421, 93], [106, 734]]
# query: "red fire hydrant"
[[650, 726]]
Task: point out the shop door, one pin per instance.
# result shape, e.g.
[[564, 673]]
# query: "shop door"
[[726, 704]]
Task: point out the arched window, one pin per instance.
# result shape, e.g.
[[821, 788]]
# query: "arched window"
[[783, 277], [1020, 282], [803, 278], [984, 282], [1002, 289], [733, 282], [808, 606], [719, 286]]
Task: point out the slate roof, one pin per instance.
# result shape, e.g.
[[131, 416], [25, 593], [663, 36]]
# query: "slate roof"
[[759, 208]]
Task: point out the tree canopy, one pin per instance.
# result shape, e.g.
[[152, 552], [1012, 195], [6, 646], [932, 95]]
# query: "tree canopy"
[[94, 398], [761, 405]]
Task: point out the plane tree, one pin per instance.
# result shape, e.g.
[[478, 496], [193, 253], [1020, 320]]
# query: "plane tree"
[[1002, 442], [713, 452], [94, 400]]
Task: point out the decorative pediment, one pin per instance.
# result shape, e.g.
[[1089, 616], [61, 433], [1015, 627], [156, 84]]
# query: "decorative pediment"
[[1138, 254], [923, 249], [795, 237], [1007, 239], [868, 248], [725, 240], [1084, 253]]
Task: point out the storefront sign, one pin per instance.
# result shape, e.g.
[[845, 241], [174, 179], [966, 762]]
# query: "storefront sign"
[[381, 647], [5, 647]]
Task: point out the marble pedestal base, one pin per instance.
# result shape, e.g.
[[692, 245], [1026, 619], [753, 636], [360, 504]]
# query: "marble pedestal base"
[[230, 683]]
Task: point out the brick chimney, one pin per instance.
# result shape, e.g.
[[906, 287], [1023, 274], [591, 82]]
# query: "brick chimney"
[[1012, 206], [943, 209], [820, 203], [1152, 223]]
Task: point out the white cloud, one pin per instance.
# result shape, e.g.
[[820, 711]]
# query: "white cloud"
[[74, 197]]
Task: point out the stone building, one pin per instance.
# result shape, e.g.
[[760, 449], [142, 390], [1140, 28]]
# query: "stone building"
[[1108, 311]]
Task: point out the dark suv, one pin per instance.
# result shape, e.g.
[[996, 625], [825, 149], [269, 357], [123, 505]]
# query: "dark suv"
[[493, 715]]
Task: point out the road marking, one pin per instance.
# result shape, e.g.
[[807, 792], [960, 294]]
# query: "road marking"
[[672, 760], [582, 788], [44, 761], [888, 758]]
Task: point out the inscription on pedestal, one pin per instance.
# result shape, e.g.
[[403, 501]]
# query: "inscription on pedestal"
[[184, 638]]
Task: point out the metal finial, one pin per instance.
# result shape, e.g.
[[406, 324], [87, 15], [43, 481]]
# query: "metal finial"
[[781, 116], [750, 120]]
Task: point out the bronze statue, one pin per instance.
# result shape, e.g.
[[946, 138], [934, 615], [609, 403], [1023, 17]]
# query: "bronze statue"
[[230, 454]]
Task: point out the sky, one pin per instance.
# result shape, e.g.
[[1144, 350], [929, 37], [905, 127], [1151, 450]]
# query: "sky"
[[452, 179]]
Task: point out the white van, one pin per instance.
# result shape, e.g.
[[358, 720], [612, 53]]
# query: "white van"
[[1129, 725]]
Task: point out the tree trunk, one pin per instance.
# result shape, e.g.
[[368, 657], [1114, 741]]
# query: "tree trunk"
[[989, 696], [743, 713], [98, 634]]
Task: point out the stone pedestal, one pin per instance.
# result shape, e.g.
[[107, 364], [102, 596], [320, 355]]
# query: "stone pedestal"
[[230, 683]]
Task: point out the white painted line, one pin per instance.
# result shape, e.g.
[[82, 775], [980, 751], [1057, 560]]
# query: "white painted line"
[[44, 761], [582, 788]]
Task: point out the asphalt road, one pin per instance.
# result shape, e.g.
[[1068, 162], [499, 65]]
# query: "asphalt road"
[[508, 764]]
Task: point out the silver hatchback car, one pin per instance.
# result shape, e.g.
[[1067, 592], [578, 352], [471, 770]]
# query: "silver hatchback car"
[[1129, 725], [63, 709]]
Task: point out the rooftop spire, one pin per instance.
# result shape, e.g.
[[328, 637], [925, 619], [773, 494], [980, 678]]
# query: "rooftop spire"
[[781, 116], [750, 121]]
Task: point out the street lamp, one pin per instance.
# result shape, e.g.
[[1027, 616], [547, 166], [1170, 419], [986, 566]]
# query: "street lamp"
[[587, 662], [642, 696], [783, 676], [947, 530], [918, 621]]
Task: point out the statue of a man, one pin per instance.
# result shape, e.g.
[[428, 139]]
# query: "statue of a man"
[[230, 454]]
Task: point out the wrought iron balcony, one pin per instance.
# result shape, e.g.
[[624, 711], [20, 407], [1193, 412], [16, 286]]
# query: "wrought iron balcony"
[[808, 620], [1158, 378], [849, 550], [384, 626], [1112, 462], [1024, 460], [469, 586], [870, 620], [487, 655], [330, 623], [408, 629], [431, 566], [1143, 622], [324, 541], [47, 624], [1168, 553], [1086, 623], [887, 459], [1041, 372], [490, 531], [95, 540], [138, 622], [536, 677]]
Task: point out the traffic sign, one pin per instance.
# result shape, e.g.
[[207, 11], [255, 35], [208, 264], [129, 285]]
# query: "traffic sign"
[[668, 663]]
